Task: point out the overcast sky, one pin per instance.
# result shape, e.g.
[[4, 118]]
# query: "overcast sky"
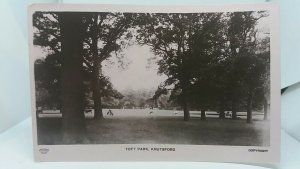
[[139, 74]]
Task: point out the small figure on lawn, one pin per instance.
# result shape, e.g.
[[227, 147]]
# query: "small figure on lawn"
[[110, 112], [228, 114], [151, 110]]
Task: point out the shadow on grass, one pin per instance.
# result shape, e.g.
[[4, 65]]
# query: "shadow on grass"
[[163, 130]]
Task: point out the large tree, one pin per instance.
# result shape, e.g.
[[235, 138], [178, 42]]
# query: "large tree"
[[108, 34], [167, 34], [191, 53], [247, 66], [72, 92], [206, 46], [264, 55], [47, 69]]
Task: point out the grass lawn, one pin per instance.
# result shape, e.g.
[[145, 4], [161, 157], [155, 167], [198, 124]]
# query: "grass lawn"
[[176, 131], [163, 130]]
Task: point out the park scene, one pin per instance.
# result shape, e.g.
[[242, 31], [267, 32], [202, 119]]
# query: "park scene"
[[152, 78]]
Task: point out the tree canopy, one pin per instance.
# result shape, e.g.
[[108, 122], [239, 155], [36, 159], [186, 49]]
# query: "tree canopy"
[[213, 61]]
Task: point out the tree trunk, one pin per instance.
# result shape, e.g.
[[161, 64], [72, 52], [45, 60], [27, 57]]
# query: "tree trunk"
[[72, 93], [97, 91], [184, 85], [97, 70], [234, 114], [249, 106], [203, 116], [186, 111], [222, 108], [266, 109]]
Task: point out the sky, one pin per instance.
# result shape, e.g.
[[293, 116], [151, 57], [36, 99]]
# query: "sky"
[[138, 74]]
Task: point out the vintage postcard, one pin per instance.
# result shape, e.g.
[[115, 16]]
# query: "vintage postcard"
[[155, 83]]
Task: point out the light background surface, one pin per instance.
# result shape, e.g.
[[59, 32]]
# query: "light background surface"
[[192, 152]]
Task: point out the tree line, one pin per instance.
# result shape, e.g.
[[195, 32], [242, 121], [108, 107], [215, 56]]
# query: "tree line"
[[212, 60]]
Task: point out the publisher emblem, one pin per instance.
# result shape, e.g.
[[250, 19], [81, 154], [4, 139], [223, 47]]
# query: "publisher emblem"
[[44, 150]]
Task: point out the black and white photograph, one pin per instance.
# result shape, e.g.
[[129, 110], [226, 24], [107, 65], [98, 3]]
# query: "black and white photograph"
[[137, 77]]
